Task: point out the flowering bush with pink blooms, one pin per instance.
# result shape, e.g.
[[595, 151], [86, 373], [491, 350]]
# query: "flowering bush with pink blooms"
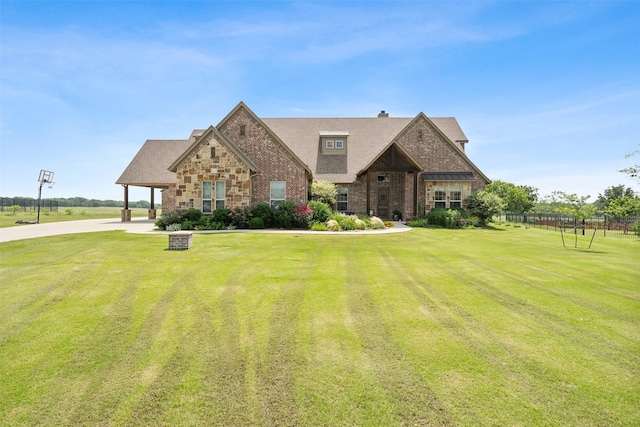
[[302, 216]]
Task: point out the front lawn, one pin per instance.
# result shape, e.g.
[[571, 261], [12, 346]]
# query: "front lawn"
[[8, 219], [496, 326]]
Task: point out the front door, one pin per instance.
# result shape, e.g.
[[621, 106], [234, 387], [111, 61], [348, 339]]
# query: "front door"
[[383, 202]]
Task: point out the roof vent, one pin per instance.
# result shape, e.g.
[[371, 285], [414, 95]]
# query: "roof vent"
[[383, 114]]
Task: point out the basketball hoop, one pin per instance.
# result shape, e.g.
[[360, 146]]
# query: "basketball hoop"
[[46, 177]]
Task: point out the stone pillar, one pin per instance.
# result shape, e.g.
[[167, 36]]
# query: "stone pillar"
[[125, 214], [152, 208]]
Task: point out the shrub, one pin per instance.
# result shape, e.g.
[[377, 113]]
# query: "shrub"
[[263, 211], [168, 218], [418, 222], [484, 206], [323, 191], [397, 215], [174, 227], [451, 218], [284, 215], [388, 224], [318, 226], [14, 209], [447, 218], [321, 211], [345, 222], [366, 219], [256, 223], [332, 225], [212, 225], [240, 217], [377, 223], [302, 216], [187, 224], [360, 225], [192, 214], [222, 215], [636, 228], [69, 211]]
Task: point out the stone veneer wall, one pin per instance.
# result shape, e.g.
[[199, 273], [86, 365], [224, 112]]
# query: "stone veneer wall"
[[467, 188], [274, 162], [169, 199], [224, 166]]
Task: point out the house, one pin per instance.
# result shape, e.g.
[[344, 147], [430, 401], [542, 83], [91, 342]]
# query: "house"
[[379, 164]]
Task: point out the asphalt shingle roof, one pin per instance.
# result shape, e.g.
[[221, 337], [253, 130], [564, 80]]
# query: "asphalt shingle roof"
[[367, 137], [150, 166]]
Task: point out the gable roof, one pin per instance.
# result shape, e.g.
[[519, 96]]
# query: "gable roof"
[[218, 137], [150, 166], [368, 138], [274, 135]]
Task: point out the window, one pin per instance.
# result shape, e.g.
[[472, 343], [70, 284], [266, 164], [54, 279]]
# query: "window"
[[329, 143], [383, 178], [420, 134], [206, 196], [213, 152], [341, 199], [278, 191], [455, 197], [440, 197], [339, 144], [220, 194], [243, 130]]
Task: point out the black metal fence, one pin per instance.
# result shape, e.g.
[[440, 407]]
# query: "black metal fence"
[[27, 204], [602, 225]]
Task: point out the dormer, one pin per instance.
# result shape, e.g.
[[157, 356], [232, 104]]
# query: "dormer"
[[333, 142]]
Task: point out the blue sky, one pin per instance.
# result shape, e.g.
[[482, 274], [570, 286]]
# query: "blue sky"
[[548, 93]]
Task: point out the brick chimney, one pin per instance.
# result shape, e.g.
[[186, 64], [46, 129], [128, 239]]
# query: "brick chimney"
[[383, 114]]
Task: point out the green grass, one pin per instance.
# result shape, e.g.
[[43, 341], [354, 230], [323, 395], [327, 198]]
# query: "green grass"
[[429, 327], [8, 219]]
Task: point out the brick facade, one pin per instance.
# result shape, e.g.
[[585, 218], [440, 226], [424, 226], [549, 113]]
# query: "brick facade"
[[274, 161], [247, 155]]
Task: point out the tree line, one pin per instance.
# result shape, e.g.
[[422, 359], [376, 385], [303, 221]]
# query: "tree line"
[[73, 202], [616, 201]]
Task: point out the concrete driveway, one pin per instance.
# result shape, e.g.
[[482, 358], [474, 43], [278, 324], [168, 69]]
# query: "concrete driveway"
[[32, 231]]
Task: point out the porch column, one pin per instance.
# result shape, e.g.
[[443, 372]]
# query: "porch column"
[[415, 193], [125, 214], [152, 208], [368, 194]]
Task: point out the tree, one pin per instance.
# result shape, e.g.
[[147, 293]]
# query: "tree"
[[324, 191], [623, 207], [516, 198], [548, 204], [484, 205], [632, 171], [612, 193], [576, 206]]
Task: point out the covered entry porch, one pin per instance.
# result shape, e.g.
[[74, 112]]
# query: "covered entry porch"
[[392, 185]]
